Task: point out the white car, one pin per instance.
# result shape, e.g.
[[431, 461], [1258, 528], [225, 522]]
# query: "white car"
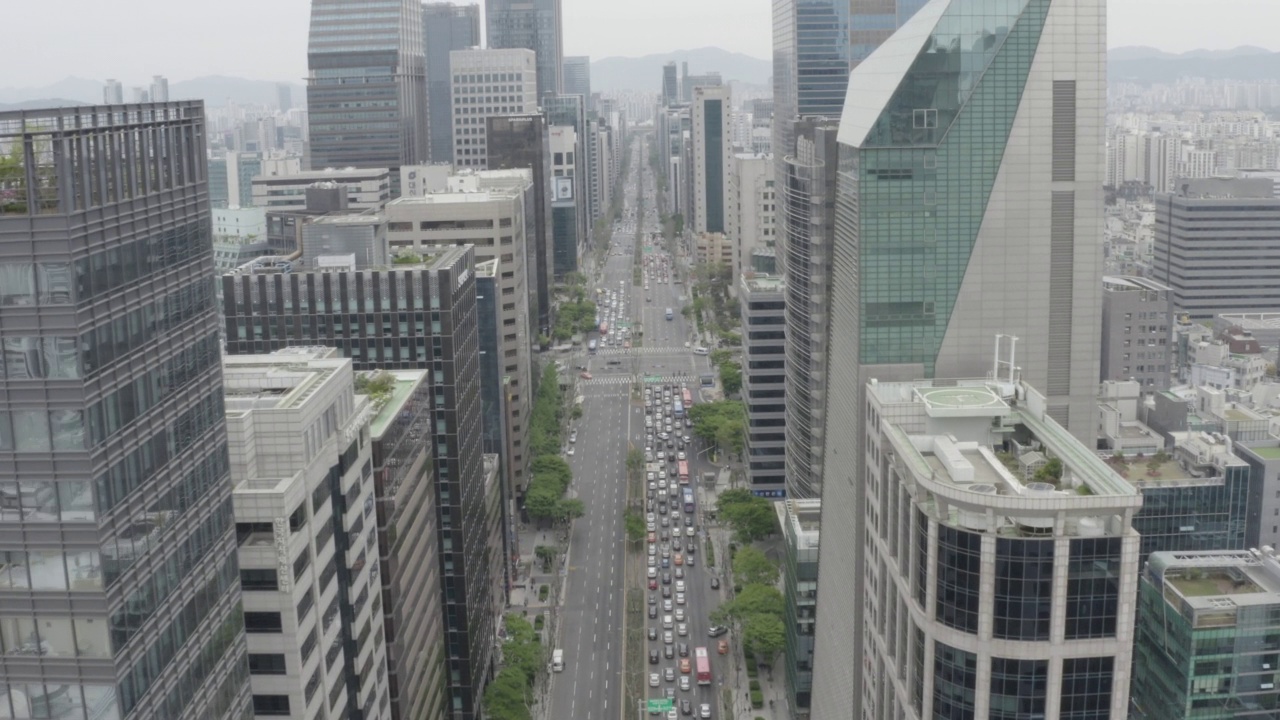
[[679, 614], [684, 683], [679, 598], [570, 452], [654, 680], [704, 710], [681, 456], [682, 630], [689, 531], [668, 638], [653, 573], [650, 517], [679, 583]]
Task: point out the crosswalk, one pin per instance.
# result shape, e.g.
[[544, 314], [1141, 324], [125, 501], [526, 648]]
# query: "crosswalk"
[[645, 350], [629, 379]]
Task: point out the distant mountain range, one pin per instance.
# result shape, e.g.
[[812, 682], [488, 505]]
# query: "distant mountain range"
[[1132, 63], [645, 73], [1148, 65], [215, 90]]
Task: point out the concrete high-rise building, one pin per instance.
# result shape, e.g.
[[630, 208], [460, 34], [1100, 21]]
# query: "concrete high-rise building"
[[242, 168], [486, 210], [438, 298], [577, 78], [710, 158], [966, 214], [1217, 246], [1001, 566], [1136, 322], [761, 301], [806, 219], [113, 93], [284, 97], [521, 141], [299, 441], [569, 111], [120, 573], [535, 25], [445, 27], [1207, 623], [159, 88], [751, 208], [670, 85], [366, 84], [488, 83]]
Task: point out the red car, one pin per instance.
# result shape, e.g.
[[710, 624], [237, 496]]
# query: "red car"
[[653, 583], [585, 375]]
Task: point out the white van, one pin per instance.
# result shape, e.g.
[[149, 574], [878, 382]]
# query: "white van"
[[557, 660], [701, 351]]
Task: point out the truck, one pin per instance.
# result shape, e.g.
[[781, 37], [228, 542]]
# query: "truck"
[[670, 315], [557, 660]]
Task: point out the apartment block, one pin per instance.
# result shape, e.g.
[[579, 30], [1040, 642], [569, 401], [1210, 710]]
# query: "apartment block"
[[301, 464], [1136, 314]]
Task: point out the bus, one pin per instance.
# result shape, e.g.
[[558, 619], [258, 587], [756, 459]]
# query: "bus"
[[677, 409], [702, 665], [591, 346], [686, 395], [688, 499], [682, 471]]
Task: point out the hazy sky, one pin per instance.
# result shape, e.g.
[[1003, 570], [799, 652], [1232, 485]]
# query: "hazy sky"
[[266, 39]]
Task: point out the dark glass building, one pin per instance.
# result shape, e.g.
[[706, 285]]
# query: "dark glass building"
[[520, 141], [534, 25], [414, 316], [445, 27], [119, 588], [366, 84]]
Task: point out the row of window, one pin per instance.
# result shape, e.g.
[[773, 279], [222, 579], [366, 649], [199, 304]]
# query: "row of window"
[[26, 358], [42, 430], [130, 262], [65, 701], [140, 328], [130, 402]]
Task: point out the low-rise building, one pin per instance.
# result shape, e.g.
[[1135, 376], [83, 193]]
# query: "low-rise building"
[[367, 188], [1135, 331]]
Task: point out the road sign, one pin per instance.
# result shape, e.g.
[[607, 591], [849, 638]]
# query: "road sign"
[[661, 704]]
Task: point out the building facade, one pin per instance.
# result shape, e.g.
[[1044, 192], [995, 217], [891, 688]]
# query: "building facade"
[[1207, 623], [991, 593], [751, 207], [445, 27], [710, 157], [577, 78], [437, 299], [761, 299], [300, 453], [488, 83], [799, 520], [120, 591], [937, 253], [807, 230], [521, 141], [535, 25], [367, 188], [366, 84], [1136, 315], [1217, 246]]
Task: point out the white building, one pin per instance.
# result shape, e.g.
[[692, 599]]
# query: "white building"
[[308, 547], [751, 208], [710, 159], [367, 188], [485, 83]]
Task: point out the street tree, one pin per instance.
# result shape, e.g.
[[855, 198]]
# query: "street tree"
[[764, 635], [547, 554], [540, 502], [752, 567], [752, 521], [569, 509], [634, 525], [552, 468], [731, 377], [506, 697]]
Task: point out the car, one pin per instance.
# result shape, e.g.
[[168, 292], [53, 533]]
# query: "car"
[[687, 439], [666, 562], [667, 637], [573, 436], [689, 520], [666, 578], [669, 674], [652, 536], [681, 456], [666, 605], [584, 375], [715, 583], [680, 586], [653, 574], [689, 560], [686, 707], [653, 633], [682, 629], [653, 561], [569, 452], [651, 526], [679, 572], [653, 657], [662, 509], [688, 423], [653, 599], [717, 630], [675, 545], [689, 532], [666, 591], [723, 647], [653, 549], [668, 652], [671, 714], [653, 612], [653, 583], [654, 681], [666, 553], [685, 685], [704, 710], [679, 598], [666, 522], [679, 559], [680, 614]]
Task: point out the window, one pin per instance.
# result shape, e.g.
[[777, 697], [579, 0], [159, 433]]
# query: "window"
[[955, 678], [271, 705], [1018, 689], [959, 578], [1086, 688], [266, 664], [259, 579], [1024, 589], [1093, 588], [262, 622]]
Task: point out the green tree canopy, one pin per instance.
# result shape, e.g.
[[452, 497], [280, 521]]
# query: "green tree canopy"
[[554, 469], [752, 567], [507, 696], [540, 501], [547, 554], [751, 517], [569, 509], [635, 526], [722, 423], [731, 377], [764, 635]]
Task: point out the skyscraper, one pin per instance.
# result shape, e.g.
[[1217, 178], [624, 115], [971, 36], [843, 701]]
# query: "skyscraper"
[[577, 77], [969, 204], [486, 83], [711, 157], [521, 141], [445, 27], [113, 93], [366, 84], [159, 88], [534, 25], [120, 573], [670, 85], [284, 97]]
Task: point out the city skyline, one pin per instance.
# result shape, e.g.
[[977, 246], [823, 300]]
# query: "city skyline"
[[92, 31]]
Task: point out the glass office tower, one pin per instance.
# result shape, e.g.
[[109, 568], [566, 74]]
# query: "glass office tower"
[[445, 27], [119, 586], [534, 25]]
